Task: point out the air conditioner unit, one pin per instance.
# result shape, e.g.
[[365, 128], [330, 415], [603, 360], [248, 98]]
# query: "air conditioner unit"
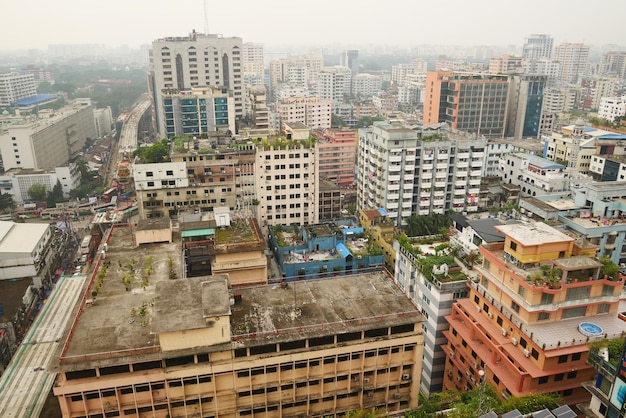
[[514, 341], [452, 354], [467, 373], [473, 380], [503, 331], [449, 372], [475, 364], [490, 315], [466, 388], [526, 353], [397, 396], [370, 394], [366, 380], [478, 309], [356, 378], [406, 376], [458, 378]]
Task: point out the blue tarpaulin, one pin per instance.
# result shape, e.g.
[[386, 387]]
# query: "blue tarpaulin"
[[343, 250]]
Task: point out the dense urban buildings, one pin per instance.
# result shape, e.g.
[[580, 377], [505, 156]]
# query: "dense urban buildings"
[[197, 60]]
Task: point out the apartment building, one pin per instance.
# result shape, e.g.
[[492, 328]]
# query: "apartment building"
[[526, 326], [536, 176], [198, 110], [476, 103], [350, 59], [574, 61], [253, 65], [16, 86], [50, 139], [334, 83], [286, 178], [209, 350], [300, 71], [607, 389], [536, 47], [366, 85], [434, 294], [418, 171], [612, 108], [337, 155], [505, 64], [17, 182], [613, 63], [197, 60], [311, 111], [594, 89]]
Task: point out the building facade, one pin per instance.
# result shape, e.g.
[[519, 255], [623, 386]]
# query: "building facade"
[[525, 106], [612, 108], [536, 47], [197, 60], [334, 83], [574, 61], [16, 86], [337, 156], [312, 111]]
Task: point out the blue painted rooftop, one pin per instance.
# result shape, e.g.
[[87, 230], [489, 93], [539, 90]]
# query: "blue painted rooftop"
[[35, 99], [612, 136], [382, 212], [541, 162], [350, 231], [589, 129], [342, 249]]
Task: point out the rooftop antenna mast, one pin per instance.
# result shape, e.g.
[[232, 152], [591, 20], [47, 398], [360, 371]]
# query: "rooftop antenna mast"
[[206, 19]]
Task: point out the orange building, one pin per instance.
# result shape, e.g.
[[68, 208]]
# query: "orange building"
[[337, 155], [529, 318]]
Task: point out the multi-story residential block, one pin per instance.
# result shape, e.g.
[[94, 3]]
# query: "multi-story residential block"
[[197, 60], [574, 60], [17, 182], [15, 87], [434, 294], [103, 119], [411, 94], [206, 349], [505, 64], [612, 108], [613, 64], [286, 178], [537, 46], [550, 68], [525, 328], [385, 104], [608, 388], [286, 91], [198, 180], [416, 171], [258, 113], [312, 111], [382, 230], [350, 59], [525, 104], [337, 155], [334, 83], [198, 110], [476, 103], [610, 167], [41, 75], [366, 84], [460, 65], [49, 140], [331, 201], [402, 73], [536, 176], [252, 61], [496, 148], [594, 89]]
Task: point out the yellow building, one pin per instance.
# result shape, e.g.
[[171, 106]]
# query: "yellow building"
[[377, 224], [195, 347]]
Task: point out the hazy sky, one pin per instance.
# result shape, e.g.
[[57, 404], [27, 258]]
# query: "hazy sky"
[[38, 23]]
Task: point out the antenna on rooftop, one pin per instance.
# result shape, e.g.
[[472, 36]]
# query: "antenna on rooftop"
[[206, 19]]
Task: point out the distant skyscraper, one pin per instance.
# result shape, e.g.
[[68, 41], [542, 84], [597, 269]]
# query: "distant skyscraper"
[[574, 60], [537, 46], [197, 60], [613, 63], [350, 59]]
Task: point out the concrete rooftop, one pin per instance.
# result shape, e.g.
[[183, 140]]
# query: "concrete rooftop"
[[533, 233]]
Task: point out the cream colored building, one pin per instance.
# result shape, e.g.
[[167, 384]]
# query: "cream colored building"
[[313, 348], [311, 111]]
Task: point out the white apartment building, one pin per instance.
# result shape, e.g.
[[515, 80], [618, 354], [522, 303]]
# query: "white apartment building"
[[17, 182], [574, 59], [281, 70], [536, 47], [558, 100], [366, 84], [333, 83], [197, 60], [152, 182], [612, 107], [310, 111], [286, 179], [103, 119], [505, 64], [252, 60], [417, 172], [549, 67], [16, 86], [286, 91], [50, 139], [496, 149], [536, 176]]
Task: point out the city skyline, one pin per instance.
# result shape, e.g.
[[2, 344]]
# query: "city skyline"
[[278, 22]]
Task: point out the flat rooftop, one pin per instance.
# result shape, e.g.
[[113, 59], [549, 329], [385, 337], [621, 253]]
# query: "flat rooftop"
[[320, 307], [533, 233]]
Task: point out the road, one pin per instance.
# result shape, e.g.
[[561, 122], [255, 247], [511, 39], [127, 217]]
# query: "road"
[[26, 382]]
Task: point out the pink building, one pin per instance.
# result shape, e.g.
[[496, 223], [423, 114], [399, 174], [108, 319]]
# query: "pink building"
[[337, 155]]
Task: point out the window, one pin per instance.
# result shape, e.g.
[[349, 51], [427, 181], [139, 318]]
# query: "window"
[[513, 245], [543, 316], [515, 306], [563, 358], [543, 380], [572, 374], [169, 172], [559, 377], [149, 174], [576, 356]]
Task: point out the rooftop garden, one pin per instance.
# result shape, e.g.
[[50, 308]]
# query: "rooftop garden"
[[281, 142], [614, 347], [239, 232]]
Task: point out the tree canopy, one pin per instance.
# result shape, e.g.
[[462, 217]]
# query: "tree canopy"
[[37, 192], [6, 202], [155, 153]]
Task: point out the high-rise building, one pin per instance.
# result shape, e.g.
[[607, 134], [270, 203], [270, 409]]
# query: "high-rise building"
[[441, 167], [525, 105], [613, 64], [300, 71], [350, 59], [574, 61], [366, 84], [537, 46], [287, 178], [505, 64], [252, 60], [539, 300], [476, 103], [337, 155], [197, 60], [16, 86], [50, 140], [334, 83]]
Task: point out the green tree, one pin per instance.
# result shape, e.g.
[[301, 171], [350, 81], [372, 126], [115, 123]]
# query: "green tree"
[[55, 195], [37, 192], [6, 202], [155, 153], [336, 121], [366, 121]]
